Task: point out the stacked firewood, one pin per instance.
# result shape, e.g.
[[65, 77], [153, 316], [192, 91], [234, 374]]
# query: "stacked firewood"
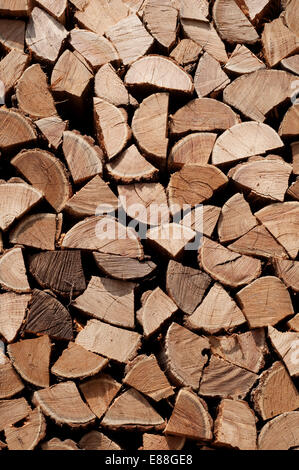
[[149, 224]]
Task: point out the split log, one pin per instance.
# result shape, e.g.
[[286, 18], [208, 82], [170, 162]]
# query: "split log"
[[202, 219], [55, 8], [12, 34], [156, 442], [289, 126], [15, 7], [186, 286], [84, 159], [276, 218], [235, 425], [291, 16], [10, 382], [150, 127], [291, 64], [145, 375], [190, 418], [216, 313], [293, 190], [160, 18], [288, 271], [95, 440], [52, 130], [286, 346], [57, 444], [275, 393], [38, 231], [281, 433], [123, 267], [77, 363], [109, 341], [55, 402], [15, 130], [12, 313], [131, 167], [232, 24], [13, 411], [130, 38], [231, 145], [131, 411], [135, 5], [186, 54], [193, 149], [184, 356], [242, 60], [203, 114], [145, 202], [236, 219], [109, 300], [87, 201], [278, 42], [194, 9], [12, 67], [209, 76], [258, 93], [111, 12], [255, 9], [29, 435], [295, 155], [157, 73], [170, 239], [293, 324], [44, 36], [60, 271], [227, 267], [157, 308], [222, 379], [112, 128], [110, 87], [99, 393], [47, 316], [13, 272]]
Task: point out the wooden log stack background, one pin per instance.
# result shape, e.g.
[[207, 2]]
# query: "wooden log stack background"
[[113, 342]]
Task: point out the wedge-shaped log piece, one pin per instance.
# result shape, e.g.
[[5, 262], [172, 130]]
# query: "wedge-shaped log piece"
[[293, 190], [55, 8], [286, 346], [123, 267], [156, 309], [235, 425], [242, 60], [95, 440], [225, 380], [278, 42], [216, 313], [190, 418], [160, 18], [29, 435], [99, 393], [57, 444], [15, 7], [12, 313], [158, 73], [31, 358], [236, 219], [245, 140], [10, 382], [44, 35], [77, 363], [63, 404], [209, 76], [13, 272], [291, 16], [115, 343], [275, 393], [186, 286], [150, 127], [109, 300], [227, 267], [12, 67], [202, 219], [157, 442], [110, 87], [289, 126], [262, 309], [291, 64], [281, 433], [12, 34], [99, 15], [170, 239], [60, 271], [186, 53], [38, 231], [145, 375], [194, 149], [131, 411], [232, 24], [52, 129], [293, 324], [184, 356], [194, 9], [288, 271], [203, 114], [13, 411], [47, 316], [255, 9], [131, 167], [15, 130], [276, 218]]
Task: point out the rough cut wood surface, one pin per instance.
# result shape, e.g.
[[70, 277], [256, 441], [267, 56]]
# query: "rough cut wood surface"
[[29, 435], [99, 393], [281, 433], [13, 272], [38, 231]]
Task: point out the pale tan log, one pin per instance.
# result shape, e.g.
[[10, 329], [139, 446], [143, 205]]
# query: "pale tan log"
[[160, 18], [44, 35], [15, 200], [79, 4], [156, 309], [38, 231], [15, 7], [289, 126], [13, 411], [286, 346], [275, 393], [87, 200], [232, 24], [63, 404], [216, 313], [255, 9], [295, 157], [203, 114], [57, 444], [276, 218], [190, 418], [47, 174], [52, 129], [131, 411], [112, 128], [29, 435], [193, 149], [108, 300], [112, 342], [15, 130], [130, 166], [150, 127], [170, 239], [256, 94], [84, 159], [158, 73], [209, 76], [13, 275], [12, 67], [110, 87], [186, 53], [293, 324], [288, 271], [56, 8], [157, 442], [145, 375], [291, 16], [130, 39], [203, 219], [236, 219], [95, 440], [10, 382], [136, 6], [99, 393], [122, 267], [281, 433], [227, 267], [293, 190], [278, 42], [291, 64], [194, 9], [99, 15], [12, 34], [184, 356], [78, 363], [242, 60]]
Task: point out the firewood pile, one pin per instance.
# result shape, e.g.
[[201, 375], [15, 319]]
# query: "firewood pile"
[[149, 224]]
